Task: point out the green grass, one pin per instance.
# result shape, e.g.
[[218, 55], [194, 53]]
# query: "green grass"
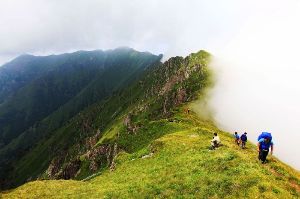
[[168, 156], [181, 166]]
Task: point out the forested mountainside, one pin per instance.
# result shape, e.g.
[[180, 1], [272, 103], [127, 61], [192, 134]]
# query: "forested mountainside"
[[40, 94]]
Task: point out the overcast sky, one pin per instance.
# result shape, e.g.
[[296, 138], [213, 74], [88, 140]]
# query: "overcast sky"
[[55, 26], [255, 44]]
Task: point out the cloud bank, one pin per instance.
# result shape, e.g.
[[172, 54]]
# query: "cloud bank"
[[258, 85], [55, 26]]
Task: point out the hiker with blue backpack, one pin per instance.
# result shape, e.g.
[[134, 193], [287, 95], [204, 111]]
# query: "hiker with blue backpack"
[[243, 140], [237, 138], [263, 145]]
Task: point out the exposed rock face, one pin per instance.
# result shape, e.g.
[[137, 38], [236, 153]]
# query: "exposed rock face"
[[55, 167], [70, 170], [61, 168], [90, 142], [170, 83], [57, 170], [177, 71], [113, 156], [171, 87], [180, 96], [127, 120], [131, 127], [97, 155]]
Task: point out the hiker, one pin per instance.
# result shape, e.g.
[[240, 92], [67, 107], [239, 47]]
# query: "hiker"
[[215, 142], [237, 138], [244, 140], [263, 145]]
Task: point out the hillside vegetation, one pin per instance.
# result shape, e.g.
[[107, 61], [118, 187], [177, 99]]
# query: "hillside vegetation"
[[41, 94], [178, 164], [89, 141], [147, 140]]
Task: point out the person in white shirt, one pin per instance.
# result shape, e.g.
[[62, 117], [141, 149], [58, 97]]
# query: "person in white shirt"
[[215, 142]]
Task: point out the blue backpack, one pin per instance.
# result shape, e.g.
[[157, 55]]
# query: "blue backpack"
[[265, 135]]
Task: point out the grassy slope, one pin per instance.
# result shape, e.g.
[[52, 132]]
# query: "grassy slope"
[[108, 116], [54, 132], [181, 166]]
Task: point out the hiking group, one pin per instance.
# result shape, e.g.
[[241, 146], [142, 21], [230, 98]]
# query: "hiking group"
[[241, 140], [263, 145]]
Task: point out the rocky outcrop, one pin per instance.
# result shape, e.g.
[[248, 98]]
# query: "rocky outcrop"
[[70, 170], [102, 155], [90, 142], [97, 157], [170, 84], [113, 157], [181, 96], [63, 167], [55, 167], [131, 127]]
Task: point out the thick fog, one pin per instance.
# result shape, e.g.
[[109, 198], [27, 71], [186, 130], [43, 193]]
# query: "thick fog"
[[159, 26], [255, 46], [258, 84]]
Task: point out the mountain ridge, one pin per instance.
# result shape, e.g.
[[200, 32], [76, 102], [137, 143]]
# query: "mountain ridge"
[[77, 83], [148, 139]]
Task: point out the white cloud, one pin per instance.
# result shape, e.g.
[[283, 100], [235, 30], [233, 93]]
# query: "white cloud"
[[259, 87], [44, 26]]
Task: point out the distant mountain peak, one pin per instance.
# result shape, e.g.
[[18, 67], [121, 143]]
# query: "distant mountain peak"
[[24, 56]]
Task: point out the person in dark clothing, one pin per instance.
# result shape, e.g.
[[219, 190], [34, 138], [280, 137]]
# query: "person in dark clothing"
[[243, 140], [263, 146]]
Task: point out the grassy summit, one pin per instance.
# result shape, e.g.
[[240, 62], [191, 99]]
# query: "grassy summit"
[[179, 164]]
